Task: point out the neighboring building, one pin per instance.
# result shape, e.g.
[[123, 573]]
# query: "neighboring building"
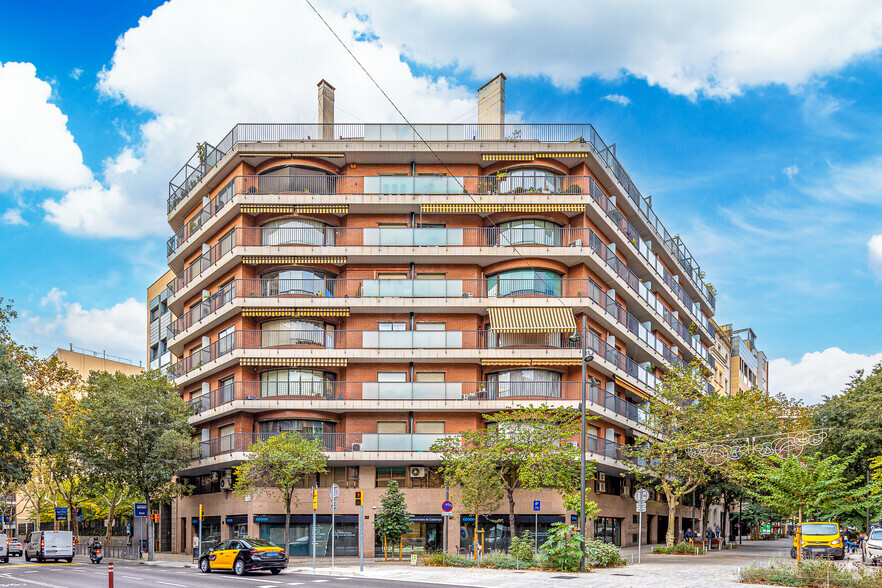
[[749, 366], [338, 281], [159, 318], [721, 352]]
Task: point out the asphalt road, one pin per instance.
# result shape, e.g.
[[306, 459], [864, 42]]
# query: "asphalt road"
[[127, 575]]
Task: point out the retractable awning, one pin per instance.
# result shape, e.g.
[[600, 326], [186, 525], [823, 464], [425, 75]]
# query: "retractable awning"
[[472, 208], [293, 361], [297, 259], [294, 312], [294, 209], [555, 319]]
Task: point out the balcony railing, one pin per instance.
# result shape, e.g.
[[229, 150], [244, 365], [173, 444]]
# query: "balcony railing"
[[381, 442], [467, 288], [208, 156], [447, 392], [321, 339]]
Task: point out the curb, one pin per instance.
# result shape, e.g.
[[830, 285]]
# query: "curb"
[[327, 572], [166, 564]]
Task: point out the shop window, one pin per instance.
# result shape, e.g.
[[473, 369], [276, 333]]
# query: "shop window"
[[608, 530]]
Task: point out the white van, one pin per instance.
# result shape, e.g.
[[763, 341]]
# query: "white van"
[[43, 545], [4, 548]]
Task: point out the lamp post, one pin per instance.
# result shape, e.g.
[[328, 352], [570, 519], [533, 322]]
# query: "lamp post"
[[582, 437]]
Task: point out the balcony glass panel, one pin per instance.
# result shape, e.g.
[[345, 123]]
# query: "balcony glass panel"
[[525, 282], [523, 180], [400, 442], [411, 391], [412, 339], [524, 383], [297, 231], [293, 332], [296, 383], [408, 288], [500, 340], [296, 282], [404, 236], [529, 232]]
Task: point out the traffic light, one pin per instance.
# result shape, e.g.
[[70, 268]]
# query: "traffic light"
[[358, 501], [201, 512], [315, 499]]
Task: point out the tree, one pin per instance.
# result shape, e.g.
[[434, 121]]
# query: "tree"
[[137, 432], [527, 448], [477, 484], [392, 520], [281, 463]]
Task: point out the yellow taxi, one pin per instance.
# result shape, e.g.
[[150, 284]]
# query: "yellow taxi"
[[244, 555], [819, 540]]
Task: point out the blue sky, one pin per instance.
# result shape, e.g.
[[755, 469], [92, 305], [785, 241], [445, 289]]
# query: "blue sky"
[[759, 141]]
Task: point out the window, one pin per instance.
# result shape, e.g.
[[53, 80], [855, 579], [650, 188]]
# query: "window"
[[391, 376], [225, 245], [154, 352], [392, 275], [524, 282], [392, 225], [528, 179], [524, 383], [430, 326], [297, 382], [226, 292], [312, 429], [297, 282], [429, 427], [226, 340], [226, 390], [528, 232], [297, 231], [386, 475], [391, 326], [608, 530], [296, 332], [431, 276], [392, 427], [154, 314], [429, 376]]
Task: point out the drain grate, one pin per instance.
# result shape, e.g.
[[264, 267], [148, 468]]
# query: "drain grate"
[[629, 575], [564, 577]]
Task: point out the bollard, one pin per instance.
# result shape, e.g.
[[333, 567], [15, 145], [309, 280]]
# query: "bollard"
[[110, 574]]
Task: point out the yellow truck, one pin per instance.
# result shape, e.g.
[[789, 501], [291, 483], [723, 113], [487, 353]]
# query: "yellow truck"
[[819, 540]]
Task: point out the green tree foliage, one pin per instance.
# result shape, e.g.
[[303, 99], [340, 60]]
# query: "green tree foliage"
[[392, 520], [280, 463], [563, 548], [527, 448], [523, 547], [477, 486], [853, 419], [136, 431], [22, 417]]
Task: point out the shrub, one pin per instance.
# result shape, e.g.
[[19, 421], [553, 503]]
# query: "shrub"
[[812, 573], [522, 547], [455, 561], [603, 555], [679, 549], [502, 561], [563, 549]]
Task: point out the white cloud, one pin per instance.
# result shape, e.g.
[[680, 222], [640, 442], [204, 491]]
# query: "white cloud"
[[118, 330], [691, 48], [273, 80], [817, 374], [874, 255], [36, 148], [75, 73], [790, 171], [617, 99], [13, 217]]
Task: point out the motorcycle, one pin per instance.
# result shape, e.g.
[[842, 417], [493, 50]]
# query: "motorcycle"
[[95, 554]]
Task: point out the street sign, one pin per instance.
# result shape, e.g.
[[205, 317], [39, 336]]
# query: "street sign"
[[536, 505], [641, 507], [60, 513], [446, 506], [641, 495], [335, 490], [334, 503], [141, 509]]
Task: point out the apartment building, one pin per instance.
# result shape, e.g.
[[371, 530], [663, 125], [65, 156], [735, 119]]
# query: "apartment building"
[[159, 319], [381, 286], [749, 366], [721, 351]]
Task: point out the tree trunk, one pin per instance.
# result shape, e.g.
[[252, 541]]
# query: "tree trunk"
[[724, 535], [111, 509], [672, 510], [150, 551], [288, 497], [511, 515]]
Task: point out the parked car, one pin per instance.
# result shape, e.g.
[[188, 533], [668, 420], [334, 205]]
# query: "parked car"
[[821, 539], [15, 547], [244, 555], [872, 548], [45, 545], [4, 548]]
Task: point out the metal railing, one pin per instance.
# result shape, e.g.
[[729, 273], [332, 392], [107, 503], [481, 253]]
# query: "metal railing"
[[452, 392], [441, 340], [208, 156]]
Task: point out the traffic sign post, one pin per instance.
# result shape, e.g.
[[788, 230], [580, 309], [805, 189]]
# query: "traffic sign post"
[[335, 492], [641, 496], [314, 508], [360, 504], [201, 514], [536, 506]]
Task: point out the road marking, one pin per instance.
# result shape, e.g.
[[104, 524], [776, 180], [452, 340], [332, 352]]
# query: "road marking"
[[130, 577], [169, 583], [317, 581]]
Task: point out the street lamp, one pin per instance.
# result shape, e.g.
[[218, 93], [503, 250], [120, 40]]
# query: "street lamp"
[[582, 439]]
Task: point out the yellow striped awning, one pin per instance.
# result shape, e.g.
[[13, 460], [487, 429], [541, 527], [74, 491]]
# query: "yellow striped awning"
[[555, 319], [463, 208], [294, 209], [294, 312], [530, 362], [506, 362], [508, 157], [555, 154], [258, 259], [549, 362], [293, 361], [290, 154]]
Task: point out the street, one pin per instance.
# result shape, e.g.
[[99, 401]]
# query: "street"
[[127, 575]]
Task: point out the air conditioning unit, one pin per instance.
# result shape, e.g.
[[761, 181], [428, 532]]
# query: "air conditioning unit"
[[227, 473], [226, 484], [601, 476], [215, 476], [468, 295], [356, 447], [576, 243], [601, 486], [417, 472]]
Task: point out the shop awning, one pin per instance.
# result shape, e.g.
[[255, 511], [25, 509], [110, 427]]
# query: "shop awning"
[[473, 208], [294, 312], [556, 319], [298, 259], [293, 361]]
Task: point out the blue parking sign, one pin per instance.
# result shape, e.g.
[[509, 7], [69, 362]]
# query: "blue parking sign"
[[141, 509], [60, 513], [535, 505]]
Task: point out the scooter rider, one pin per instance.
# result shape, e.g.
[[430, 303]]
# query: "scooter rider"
[[94, 546]]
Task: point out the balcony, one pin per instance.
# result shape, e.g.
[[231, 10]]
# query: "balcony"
[[449, 393], [405, 340]]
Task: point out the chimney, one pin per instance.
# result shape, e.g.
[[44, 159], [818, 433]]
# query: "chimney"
[[326, 110], [491, 108]]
